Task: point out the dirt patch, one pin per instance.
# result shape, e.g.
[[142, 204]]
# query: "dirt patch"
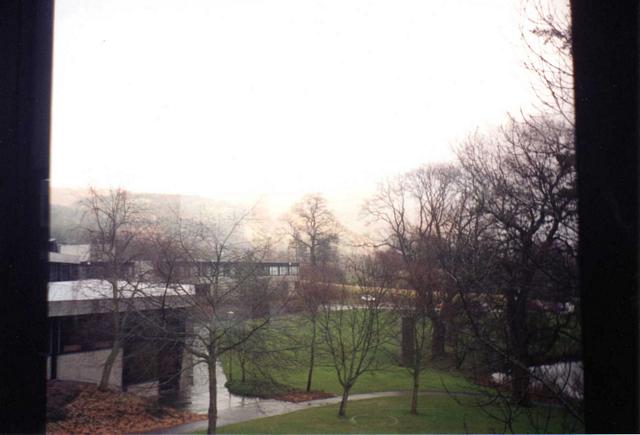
[[297, 396], [81, 408]]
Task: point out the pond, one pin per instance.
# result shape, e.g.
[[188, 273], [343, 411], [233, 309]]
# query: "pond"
[[567, 376]]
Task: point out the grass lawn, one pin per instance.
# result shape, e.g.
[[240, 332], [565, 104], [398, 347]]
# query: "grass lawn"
[[387, 379], [437, 414], [388, 376], [286, 365]]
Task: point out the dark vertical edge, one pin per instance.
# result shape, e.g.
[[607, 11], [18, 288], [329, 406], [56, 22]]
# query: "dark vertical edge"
[[26, 40], [606, 72]]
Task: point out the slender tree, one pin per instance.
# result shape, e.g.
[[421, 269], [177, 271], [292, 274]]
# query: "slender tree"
[[357, 328], [314, 233], [210, 265], [115, 226], [315, 288]]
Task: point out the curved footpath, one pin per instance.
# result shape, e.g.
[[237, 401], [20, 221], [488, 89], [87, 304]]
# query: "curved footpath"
[[270, 407]]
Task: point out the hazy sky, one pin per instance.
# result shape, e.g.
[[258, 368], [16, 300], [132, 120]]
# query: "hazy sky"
[[245, 98]]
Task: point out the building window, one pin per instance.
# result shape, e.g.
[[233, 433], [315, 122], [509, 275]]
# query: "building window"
[[85, 333]]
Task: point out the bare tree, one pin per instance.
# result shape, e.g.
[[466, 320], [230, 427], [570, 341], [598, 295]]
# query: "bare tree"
[[525, 239], [420, 213], [416, 334], [314, 233], [313, 229], [413, 213], [115, 227], [231, 297], [356, 329], [522, 182], [315, 288], [546, 34]]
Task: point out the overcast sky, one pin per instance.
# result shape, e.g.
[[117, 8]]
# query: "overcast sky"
[[242, 99]]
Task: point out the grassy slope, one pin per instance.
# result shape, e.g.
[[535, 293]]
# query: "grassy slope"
[[437, 414], [388, 377], [391, 378]]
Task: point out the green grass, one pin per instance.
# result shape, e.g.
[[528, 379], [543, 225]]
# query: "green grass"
[[289, 367], [387, 379], [286, 366], [437, 414]]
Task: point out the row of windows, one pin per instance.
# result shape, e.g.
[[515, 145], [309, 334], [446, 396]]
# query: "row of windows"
[[70, 272], [283, 270], [208, 269]]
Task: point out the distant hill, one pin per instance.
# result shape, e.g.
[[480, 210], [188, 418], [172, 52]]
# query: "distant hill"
[[66, 211], [66, 195]]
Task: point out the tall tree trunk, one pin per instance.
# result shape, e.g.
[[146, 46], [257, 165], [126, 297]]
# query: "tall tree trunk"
[[312, 353], [517, 322], [407, 350], [416, 385], [312, 253], [519, 374], [108, 365], [519, 385], [117, 335], [243, 370], [212, 414], [343, 404], [438, 337]]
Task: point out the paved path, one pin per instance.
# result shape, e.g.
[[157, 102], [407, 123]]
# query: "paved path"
[[270, 407]]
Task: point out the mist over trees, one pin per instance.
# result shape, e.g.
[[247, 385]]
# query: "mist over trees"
[[471, 263], [69, 218], [314, 231]]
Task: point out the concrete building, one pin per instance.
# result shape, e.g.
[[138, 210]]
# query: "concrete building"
[[80, 323], [80, 320]]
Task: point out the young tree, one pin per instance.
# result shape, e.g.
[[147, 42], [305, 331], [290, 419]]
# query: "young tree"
[[314, 233], [416, 334], [356, 329], [115, 226], [313, 229], [231, 297], [420, 213], [315, 288]]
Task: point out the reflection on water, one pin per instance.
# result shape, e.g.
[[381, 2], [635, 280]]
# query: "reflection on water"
[[567, 377], [195, 398]]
